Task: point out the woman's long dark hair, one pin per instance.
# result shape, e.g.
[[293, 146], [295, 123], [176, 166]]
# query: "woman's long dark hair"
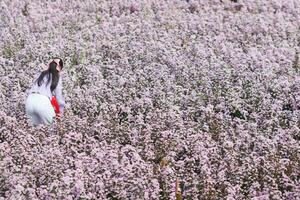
[[54, 73]]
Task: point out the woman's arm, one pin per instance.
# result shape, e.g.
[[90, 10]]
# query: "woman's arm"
[[59, 96]]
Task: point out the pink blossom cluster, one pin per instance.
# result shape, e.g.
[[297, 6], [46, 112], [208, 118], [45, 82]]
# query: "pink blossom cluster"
[[205, 94]]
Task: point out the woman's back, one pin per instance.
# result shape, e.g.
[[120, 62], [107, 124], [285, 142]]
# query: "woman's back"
[[44, 88]]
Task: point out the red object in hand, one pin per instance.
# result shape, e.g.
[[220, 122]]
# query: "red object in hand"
[[55, 104]]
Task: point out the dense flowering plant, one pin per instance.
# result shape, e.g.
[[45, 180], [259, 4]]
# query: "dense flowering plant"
[[201, 95]]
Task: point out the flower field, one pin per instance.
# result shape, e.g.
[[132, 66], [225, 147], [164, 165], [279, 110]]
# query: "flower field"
[[174, 99]]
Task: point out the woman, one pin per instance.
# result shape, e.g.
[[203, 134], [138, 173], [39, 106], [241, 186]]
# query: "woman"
[[48, 84]]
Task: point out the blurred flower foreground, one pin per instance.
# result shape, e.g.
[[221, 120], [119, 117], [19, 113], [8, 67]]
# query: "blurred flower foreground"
[[166, 99]]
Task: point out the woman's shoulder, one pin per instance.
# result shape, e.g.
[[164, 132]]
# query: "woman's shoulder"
[[37, 75]]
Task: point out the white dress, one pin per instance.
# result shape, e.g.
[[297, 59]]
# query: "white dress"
[[38, 106]]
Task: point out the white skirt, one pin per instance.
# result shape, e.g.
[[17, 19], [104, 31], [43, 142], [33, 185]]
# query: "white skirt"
[[39, 109]]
